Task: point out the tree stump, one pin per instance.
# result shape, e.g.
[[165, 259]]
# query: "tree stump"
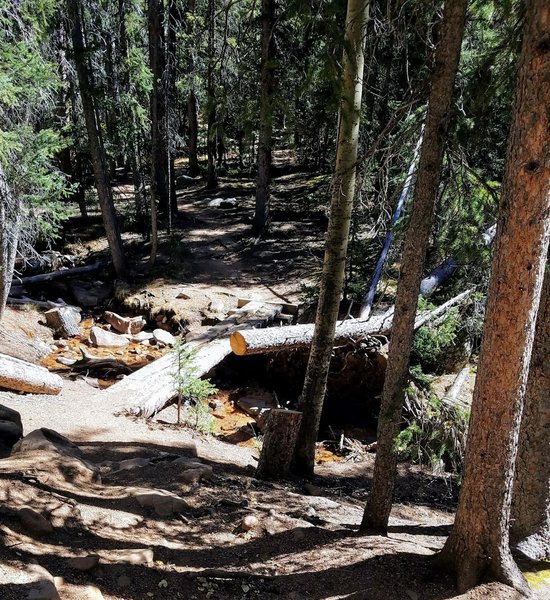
[[279, 441], [64, 320]]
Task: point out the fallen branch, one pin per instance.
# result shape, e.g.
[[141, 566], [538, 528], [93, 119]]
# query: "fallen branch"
[[59, 274]]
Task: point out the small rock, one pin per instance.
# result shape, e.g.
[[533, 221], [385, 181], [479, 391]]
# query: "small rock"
[[101, 337], [142, 336], [68, 362], [34, 522], [162, 502], [222, 203], [84, 563], [197, 475], [61, 343], [91, 592], [187, 463], [164, 337], [44, 590], [216, 306], [133, 463], [310, 511], [139, 556], [183, 296], [249, 522], [313, 490]]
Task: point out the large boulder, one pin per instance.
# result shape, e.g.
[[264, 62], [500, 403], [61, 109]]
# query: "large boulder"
[[11, 429], [54, 457]]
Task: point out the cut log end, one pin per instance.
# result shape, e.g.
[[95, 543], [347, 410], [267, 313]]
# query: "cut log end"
[[238, 343]]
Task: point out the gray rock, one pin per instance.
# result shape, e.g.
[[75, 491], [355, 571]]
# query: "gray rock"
[[107, 339], [11, 429], [163, 503], [34, 522], [142, 336], [138, 556], [43, 590], [196, 475], [249, 522], [84, 563], [133, 463], [164, 337], [222, 203], [216, 306]]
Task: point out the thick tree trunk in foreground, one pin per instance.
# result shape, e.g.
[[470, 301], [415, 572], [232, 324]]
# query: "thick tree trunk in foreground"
[[379, 502], [10, 216], [479, 542], [22, 376], [97, 151], [343, 189], [279, 442], [263, 183], [530, 523]]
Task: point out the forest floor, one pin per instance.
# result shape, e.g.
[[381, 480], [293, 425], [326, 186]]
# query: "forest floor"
[[233, 536]]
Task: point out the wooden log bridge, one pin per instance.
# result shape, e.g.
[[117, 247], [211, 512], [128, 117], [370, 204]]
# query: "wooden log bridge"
[[275, 339], [151, 389]]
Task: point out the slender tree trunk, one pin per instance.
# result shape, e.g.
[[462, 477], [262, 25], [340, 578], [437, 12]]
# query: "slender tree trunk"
[[10, 221], [530, 523], [174, 21], [378, 507], [212, 174], [343, 189], [192, 116], [263, 182], [479, 542], [97, 151], [159, 149], [193, 134]]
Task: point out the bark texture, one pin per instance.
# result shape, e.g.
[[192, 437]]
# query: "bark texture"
[[22, 376], [343, 189], [479, 542], [212, 171], [193, 134], [263, 183], [10, 218], [530, 523], [275, 339], [447, 54], [279, 441], [159, 142], [97, 151]]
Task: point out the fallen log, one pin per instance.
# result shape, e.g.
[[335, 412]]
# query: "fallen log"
[[260, 341], [451, 398], [22, 376], [59, 274], [106, 366], [151, 389]]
